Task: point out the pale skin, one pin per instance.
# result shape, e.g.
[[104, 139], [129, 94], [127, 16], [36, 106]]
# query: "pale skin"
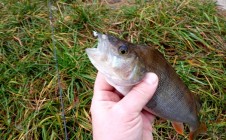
[[117, 118]]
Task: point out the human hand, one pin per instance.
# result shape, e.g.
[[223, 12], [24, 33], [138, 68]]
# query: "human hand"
[[114, 118]]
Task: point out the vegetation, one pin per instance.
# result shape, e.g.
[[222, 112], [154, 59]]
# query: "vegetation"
[[190, 33]]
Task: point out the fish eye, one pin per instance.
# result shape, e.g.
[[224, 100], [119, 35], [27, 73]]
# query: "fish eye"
[[123, 49]]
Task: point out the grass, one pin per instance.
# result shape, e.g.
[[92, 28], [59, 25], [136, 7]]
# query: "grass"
[[190, 33]]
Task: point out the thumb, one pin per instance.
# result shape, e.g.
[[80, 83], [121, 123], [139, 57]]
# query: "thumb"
[[140, 94]]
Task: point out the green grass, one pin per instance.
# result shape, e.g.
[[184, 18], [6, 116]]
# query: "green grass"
[[190, 33]]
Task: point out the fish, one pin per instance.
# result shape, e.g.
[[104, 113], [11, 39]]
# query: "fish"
[[125, 64]]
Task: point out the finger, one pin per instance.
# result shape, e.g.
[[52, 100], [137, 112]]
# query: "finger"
[[149, 116], [148, 120], [104, 91], [101, 84], [147, 135], [138, 97], [147, 125]]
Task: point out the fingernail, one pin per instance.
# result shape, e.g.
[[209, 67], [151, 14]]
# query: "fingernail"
[[151, 78]]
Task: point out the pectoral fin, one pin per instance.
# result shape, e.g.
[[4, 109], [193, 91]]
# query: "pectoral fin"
[[179, 127], [202, 129]]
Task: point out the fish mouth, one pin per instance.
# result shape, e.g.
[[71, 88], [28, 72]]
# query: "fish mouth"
[[103, 42], [102, 47], [99, 55]]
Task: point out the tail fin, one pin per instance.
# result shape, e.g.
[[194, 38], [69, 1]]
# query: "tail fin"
[[202, 129]]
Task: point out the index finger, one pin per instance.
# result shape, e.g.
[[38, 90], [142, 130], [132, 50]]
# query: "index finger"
[[101, 84], [103, 91]]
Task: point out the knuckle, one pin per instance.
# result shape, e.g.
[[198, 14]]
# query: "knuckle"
[[141, 91]]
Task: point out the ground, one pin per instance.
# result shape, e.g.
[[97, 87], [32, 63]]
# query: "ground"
[[190, 33]]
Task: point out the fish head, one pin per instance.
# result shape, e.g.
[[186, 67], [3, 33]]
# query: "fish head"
[[117, 60]]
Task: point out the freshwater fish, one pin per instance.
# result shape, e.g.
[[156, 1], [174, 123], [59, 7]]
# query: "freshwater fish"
[[125, 64]]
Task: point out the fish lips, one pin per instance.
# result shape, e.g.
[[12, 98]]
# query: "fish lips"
[[99, 53]]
